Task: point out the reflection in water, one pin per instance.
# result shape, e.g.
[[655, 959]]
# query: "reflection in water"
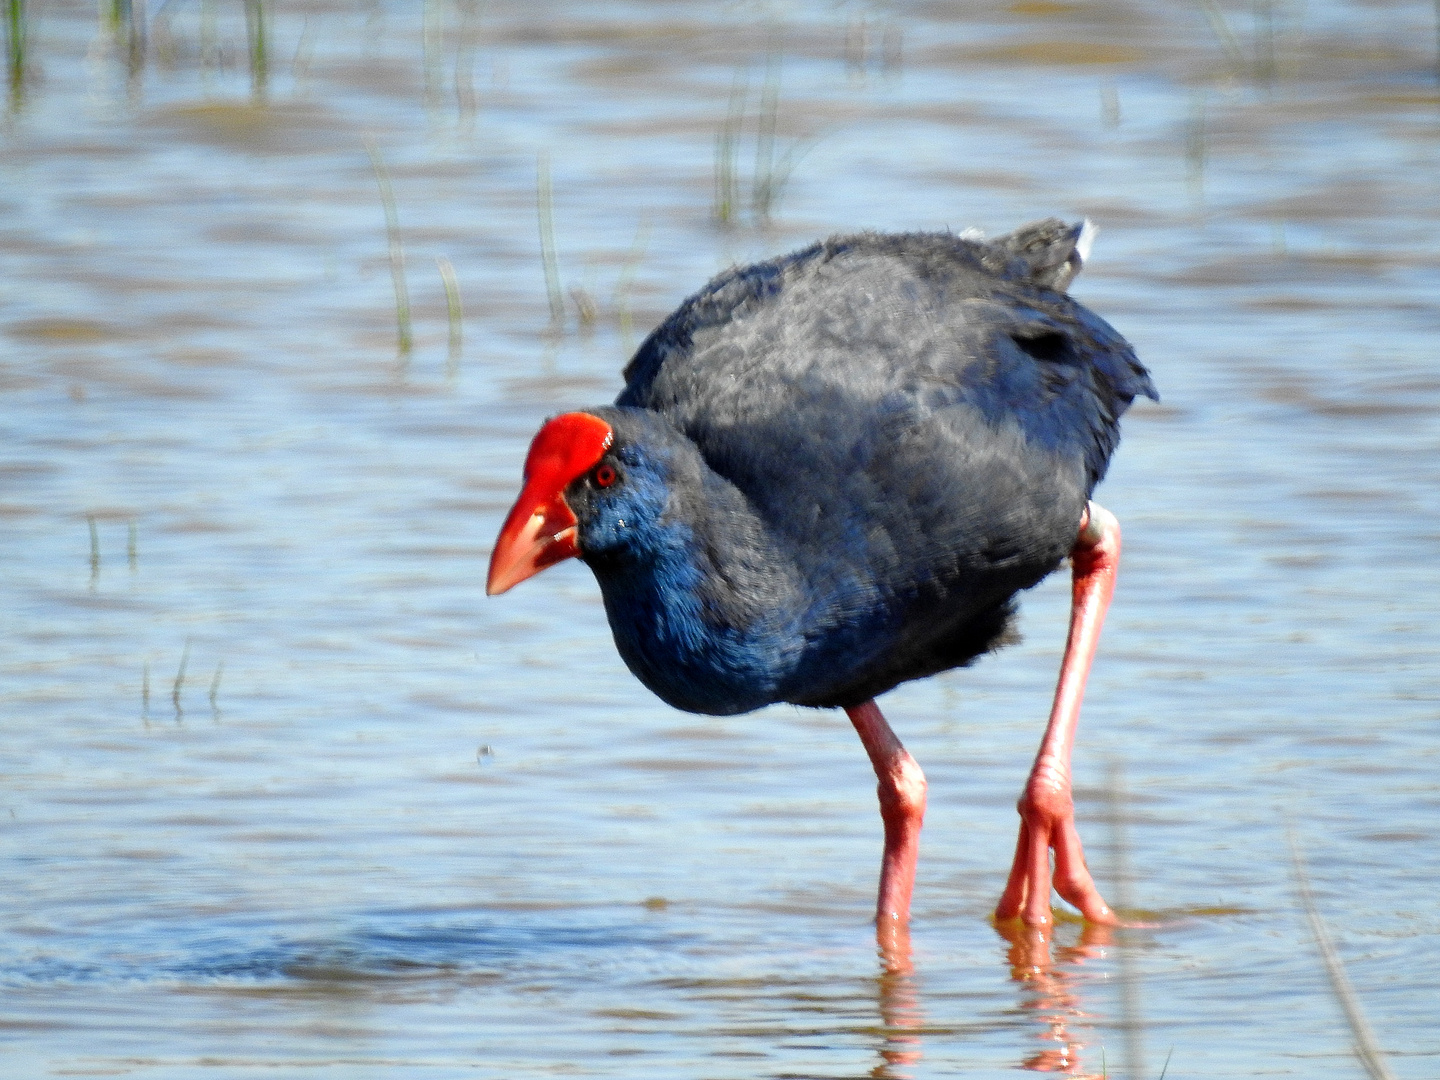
[[1053, 990], [899, 1003]]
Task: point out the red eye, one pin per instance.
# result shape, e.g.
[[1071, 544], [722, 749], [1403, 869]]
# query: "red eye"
[[605, 476]]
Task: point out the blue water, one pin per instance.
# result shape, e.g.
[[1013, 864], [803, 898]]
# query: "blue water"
[[383, 826]]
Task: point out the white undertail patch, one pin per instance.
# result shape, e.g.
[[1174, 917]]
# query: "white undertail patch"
[[1086, 240]]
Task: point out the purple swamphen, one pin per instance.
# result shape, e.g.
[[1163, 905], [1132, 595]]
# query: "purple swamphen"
[[833, 472]]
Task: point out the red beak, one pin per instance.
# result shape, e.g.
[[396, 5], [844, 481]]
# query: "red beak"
[[542, 529]]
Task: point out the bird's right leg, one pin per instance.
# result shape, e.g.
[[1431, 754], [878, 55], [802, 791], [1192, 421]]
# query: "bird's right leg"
[[1047, 809], [902, 809]]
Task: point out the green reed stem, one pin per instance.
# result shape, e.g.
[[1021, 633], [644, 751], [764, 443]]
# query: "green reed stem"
[[763, 188], [1228, 43], [1196, 144], [94, 549], [1366, 1048], [622, 287], [180, 681], [727, 151], [432, 41], [543, 199], [1110, 105], [258, 47], [215, 687], [209, 38], [127, 28], [397, 253], [1131, 1023], [466, 38], [15, 34], [1265, 42], [455, 312]]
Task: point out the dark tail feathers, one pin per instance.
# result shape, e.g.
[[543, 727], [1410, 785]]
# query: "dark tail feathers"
[[1053, 250]]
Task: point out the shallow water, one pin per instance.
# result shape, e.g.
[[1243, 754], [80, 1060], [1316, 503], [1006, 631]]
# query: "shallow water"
[[284, 794]]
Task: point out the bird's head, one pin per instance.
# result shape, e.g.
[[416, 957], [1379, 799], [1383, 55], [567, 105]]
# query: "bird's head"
[[589, 492]]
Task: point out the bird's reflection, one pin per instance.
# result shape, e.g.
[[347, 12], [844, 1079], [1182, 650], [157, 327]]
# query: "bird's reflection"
[[899, 1003], [1052, 990]]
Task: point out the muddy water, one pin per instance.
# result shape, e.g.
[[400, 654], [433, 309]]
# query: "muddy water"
[[283, 794]]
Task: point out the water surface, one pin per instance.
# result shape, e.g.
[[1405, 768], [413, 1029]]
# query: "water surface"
[[284, 794]]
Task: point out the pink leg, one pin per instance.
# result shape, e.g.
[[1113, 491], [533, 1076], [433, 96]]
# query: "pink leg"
[[1047, 811], [902, 808]]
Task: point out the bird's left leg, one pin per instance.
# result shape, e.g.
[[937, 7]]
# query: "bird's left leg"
[[1047, 809], [902, 808]]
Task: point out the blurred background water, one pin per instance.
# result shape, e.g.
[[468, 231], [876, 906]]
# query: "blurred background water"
[[283, 794]]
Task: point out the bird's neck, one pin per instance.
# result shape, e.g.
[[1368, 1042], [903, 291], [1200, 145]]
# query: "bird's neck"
[[706, 607]]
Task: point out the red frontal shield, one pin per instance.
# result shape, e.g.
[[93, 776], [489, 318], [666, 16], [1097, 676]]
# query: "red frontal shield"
[[541, 529]]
